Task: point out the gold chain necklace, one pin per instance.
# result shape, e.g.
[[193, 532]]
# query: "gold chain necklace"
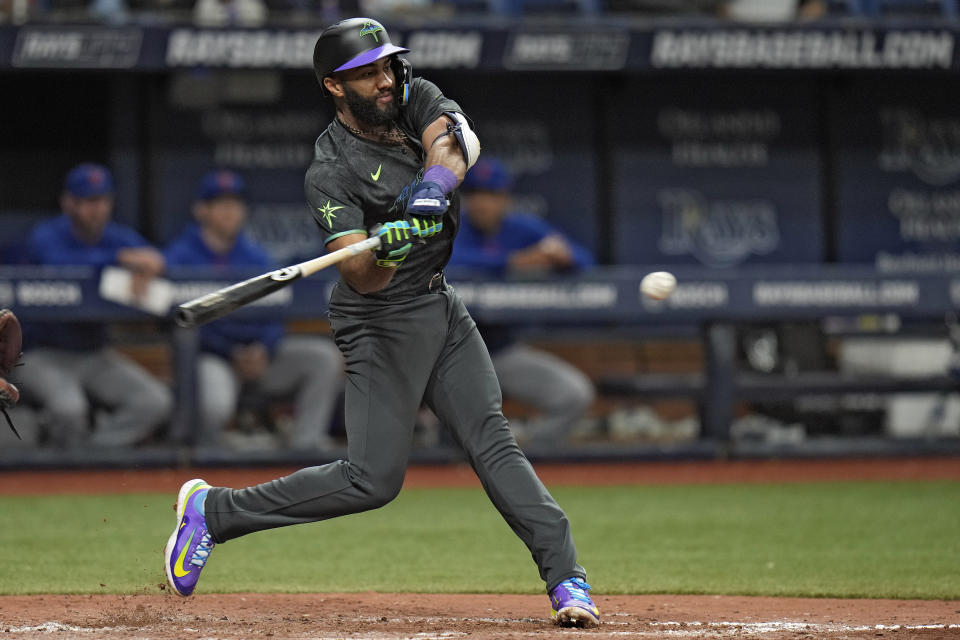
[[395, 136]]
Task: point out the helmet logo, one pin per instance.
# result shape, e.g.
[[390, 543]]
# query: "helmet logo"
[[371, 29]]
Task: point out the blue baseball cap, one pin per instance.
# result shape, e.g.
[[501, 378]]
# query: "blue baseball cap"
[[89, 180], [488, 174], [221, 182]]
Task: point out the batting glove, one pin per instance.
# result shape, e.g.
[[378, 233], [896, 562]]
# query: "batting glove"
[[425, 227], [427, 199], [395, 243]]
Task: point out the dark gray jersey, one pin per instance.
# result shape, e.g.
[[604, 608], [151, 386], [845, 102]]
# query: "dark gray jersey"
[[401, 351], [353, 184]]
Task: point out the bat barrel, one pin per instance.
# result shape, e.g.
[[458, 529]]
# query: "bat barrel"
[[201, 311], [205, 309], [221, 302], [185, 316]]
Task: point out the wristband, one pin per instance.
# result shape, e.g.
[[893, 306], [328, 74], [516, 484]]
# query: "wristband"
[[441, 176]]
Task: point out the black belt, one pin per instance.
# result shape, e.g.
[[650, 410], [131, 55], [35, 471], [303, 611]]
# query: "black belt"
[[437, 283]]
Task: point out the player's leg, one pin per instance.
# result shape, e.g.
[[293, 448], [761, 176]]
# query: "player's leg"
[[389, 356], [465, 395], [559, 391], [139, 402], [309, 368], [52, 381], [217, 391]]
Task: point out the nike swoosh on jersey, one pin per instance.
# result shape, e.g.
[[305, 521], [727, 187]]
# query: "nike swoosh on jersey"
[[376, 176]]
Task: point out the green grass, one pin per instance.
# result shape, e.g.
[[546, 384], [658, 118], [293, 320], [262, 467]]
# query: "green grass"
[[896, 540]]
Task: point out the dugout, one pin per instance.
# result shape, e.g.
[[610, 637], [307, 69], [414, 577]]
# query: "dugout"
[[727, 153]]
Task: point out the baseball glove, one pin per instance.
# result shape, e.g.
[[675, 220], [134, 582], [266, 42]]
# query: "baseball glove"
[[11, 344]]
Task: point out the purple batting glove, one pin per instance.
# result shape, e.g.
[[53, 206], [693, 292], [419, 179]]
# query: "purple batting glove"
[[428, 199]]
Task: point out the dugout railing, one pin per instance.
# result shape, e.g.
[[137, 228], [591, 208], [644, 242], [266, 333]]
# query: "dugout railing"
[[712, 305]]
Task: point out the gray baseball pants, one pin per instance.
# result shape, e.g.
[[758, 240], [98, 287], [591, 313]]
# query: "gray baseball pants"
[[558, 390], [66, 382], [397, 353], [306, 367]]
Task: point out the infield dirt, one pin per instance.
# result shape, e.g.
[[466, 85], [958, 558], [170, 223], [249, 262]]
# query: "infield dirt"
[[381, 616]]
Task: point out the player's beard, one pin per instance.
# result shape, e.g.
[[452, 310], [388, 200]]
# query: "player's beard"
[[367, 111]]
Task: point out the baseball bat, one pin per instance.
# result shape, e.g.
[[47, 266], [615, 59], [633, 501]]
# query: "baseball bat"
[[222, 301]]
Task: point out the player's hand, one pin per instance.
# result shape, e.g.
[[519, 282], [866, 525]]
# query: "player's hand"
[[557, 250], [425, 227], [145, 260], [427, 199], [395, 243], [145, 263]]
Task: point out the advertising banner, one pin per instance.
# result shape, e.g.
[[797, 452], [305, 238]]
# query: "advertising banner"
[[261, 126], [897, 149], [521, 46], [721, 172]]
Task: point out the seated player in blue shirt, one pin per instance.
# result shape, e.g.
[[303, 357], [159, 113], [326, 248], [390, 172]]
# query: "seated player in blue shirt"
[[72, 367], [496, 240], [243, 357]]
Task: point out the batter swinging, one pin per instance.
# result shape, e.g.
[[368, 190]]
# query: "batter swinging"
[[389, 164]]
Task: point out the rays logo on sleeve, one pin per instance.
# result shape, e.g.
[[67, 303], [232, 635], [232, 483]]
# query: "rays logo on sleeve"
[[326, 212]]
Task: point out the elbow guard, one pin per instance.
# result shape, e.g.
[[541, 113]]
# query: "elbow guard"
[[468, 140]]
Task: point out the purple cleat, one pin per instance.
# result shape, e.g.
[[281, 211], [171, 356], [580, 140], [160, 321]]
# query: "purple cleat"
[[572, 606], [189, 545]]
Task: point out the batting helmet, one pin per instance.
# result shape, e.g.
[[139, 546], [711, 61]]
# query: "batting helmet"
[[353, 43]]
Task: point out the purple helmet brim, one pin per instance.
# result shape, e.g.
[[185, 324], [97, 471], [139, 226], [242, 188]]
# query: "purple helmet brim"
[[373, 55]]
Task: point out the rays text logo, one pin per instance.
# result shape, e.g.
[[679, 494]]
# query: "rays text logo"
[[371, 29], [718, 233]]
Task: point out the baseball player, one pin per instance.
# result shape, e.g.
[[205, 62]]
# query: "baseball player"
[[389, 164], [237, 356], [73, 365]]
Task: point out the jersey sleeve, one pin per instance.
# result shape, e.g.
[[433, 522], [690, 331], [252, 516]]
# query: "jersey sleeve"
[[335, 211], [427, 103]]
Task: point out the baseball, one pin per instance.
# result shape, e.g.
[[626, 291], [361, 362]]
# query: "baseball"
[[658, 285]]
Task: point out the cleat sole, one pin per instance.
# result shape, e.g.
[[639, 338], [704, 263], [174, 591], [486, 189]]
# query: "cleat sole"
[[576, 617]]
